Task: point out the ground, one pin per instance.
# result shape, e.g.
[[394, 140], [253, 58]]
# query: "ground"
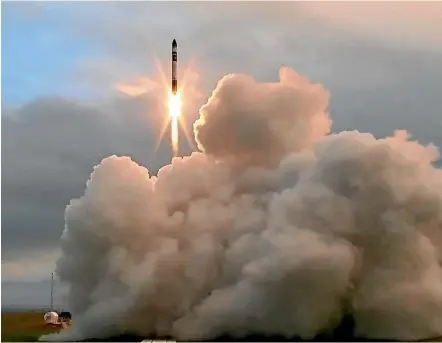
[[24, 326], [29, 327]]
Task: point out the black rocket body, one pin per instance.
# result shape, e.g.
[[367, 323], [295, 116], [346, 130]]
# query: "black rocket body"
[[174, 67]]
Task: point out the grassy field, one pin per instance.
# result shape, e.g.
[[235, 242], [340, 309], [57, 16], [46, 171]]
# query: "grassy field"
[[24, 326]]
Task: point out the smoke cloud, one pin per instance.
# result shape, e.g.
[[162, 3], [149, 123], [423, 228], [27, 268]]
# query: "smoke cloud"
[[248, 121], [277, 228]]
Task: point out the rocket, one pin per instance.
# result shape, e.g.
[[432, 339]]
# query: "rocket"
[[174, 67]]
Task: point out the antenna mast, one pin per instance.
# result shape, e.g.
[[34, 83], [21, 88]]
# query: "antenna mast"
[[52, 291]]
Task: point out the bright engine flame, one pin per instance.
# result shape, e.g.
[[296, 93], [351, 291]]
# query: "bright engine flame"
[[172, 102], [174, 105]]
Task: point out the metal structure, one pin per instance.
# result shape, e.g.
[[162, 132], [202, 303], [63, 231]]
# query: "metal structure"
[[52, 291]]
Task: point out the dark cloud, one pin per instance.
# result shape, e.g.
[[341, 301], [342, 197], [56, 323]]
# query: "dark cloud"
[[18, 295], [49, 149]]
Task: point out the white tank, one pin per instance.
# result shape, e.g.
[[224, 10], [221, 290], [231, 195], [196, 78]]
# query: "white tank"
[[51, 317]]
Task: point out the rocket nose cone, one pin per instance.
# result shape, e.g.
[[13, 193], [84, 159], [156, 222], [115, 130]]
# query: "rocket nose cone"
[[174, 42]]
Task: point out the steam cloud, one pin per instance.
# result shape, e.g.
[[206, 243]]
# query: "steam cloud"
[[276, 228]]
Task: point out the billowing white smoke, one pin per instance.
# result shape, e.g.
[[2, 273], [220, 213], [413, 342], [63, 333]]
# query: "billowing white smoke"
[[277, 228]]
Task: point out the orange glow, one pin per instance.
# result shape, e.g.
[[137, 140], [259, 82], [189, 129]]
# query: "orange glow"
[[173, 103], [174, 107]]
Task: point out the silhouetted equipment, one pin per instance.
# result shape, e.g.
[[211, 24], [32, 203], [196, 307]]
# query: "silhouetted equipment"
[[65, 316]]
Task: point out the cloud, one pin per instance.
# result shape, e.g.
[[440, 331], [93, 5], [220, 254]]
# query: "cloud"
[[51, 145], [49, 148], [27, 295], [26, 281], [411, 24], [312, 227], [371, 81], [31, 267], [237, 123]]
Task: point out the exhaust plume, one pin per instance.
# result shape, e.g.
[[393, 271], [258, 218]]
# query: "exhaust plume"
[[249, 121], [276, 228]]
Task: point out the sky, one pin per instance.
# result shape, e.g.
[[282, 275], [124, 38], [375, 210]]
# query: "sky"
[[62, 112]]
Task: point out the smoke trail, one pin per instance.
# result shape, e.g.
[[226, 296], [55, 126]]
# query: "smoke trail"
[[275, 228]]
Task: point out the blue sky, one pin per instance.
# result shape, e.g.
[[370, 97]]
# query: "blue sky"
[[39, 53]]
